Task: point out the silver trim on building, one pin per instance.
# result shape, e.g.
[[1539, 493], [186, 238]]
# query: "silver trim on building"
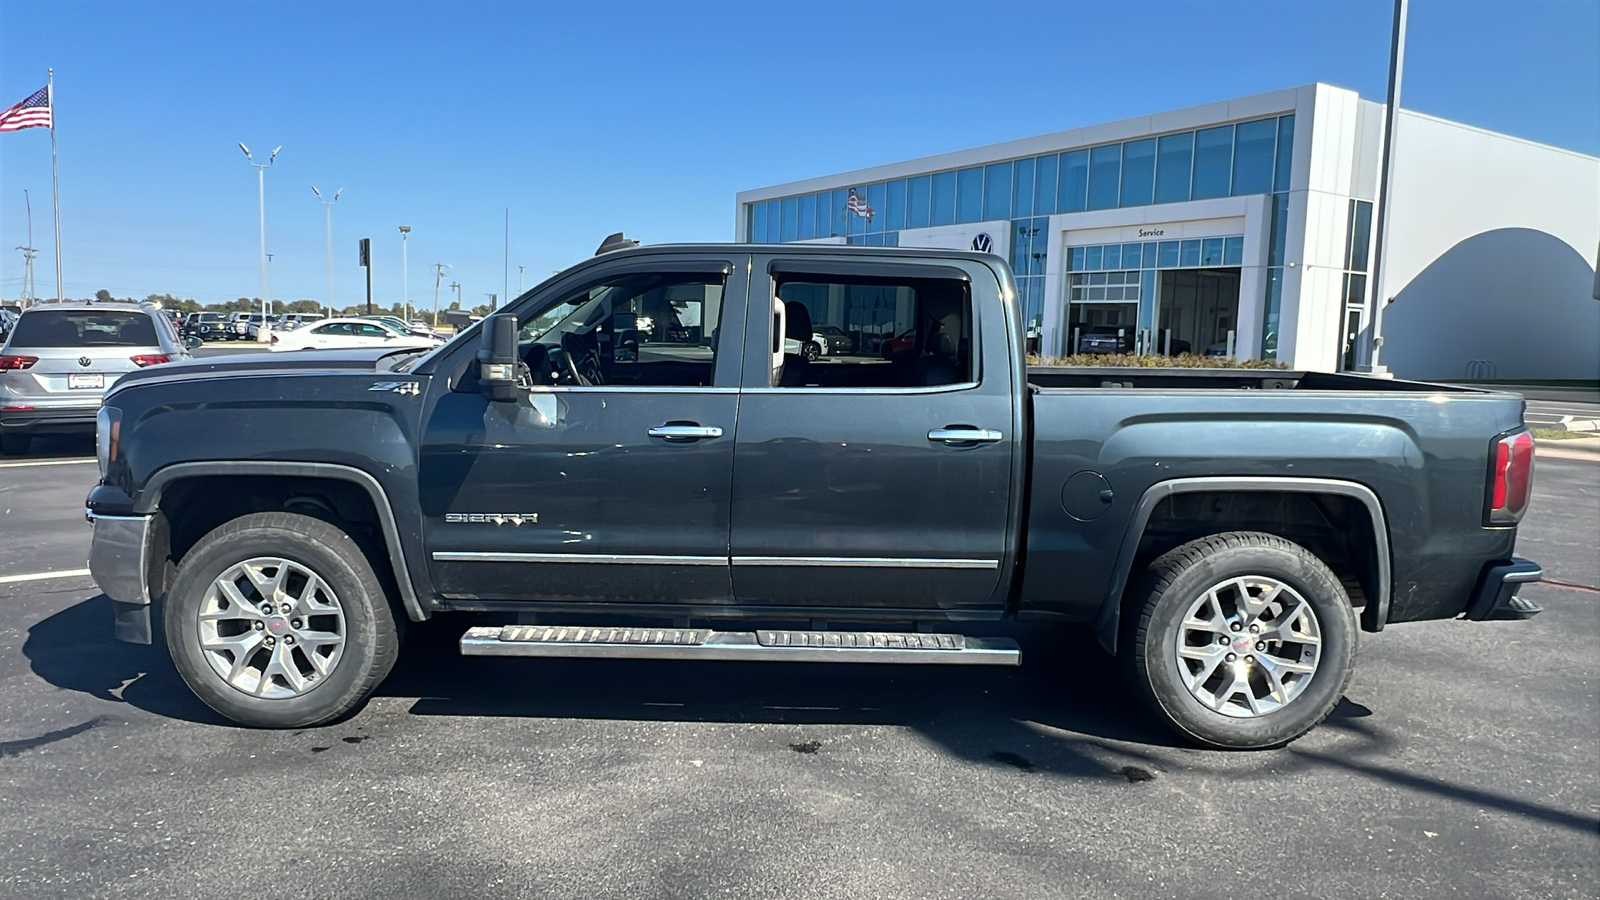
[[874, 562], [605, 558]]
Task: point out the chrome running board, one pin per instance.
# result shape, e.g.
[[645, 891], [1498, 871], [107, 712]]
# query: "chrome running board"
[[608, 642]]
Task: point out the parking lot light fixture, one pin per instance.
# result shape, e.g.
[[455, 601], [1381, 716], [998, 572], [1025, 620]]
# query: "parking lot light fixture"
[[261, 192], [405, 286], [328, 205]]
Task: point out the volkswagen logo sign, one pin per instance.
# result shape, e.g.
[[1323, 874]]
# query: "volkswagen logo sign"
[[983, 243], [85, 361]]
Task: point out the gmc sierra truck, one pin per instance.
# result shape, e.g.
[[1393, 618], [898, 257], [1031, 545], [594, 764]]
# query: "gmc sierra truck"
[[624, 462]]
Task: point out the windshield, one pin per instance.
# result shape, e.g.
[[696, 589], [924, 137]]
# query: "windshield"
[[83, 328]]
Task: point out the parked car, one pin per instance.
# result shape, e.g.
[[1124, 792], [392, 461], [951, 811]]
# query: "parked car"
[[60, 357], [899, 345], [568, 502], [8, 319], [403, 326], [345, 333], [1106, 339], [291, 321], [832, 340], [207, 326]]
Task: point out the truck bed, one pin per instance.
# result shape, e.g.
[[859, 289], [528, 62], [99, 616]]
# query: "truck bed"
[[1213, 379]]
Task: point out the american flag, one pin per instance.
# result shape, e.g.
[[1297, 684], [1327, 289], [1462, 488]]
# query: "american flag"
[[33, 112], [859, 205]]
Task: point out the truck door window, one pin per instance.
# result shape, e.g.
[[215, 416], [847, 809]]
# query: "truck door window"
[[640, 329], [861, 332]]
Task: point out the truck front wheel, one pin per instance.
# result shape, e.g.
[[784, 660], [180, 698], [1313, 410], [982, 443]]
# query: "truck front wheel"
[[276, 620], [1244, 640]]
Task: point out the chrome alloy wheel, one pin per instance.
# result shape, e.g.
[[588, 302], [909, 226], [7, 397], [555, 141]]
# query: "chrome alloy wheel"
[[1250, 645], [271, 628]]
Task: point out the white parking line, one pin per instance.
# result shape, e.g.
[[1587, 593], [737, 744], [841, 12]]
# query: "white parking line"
[[47, 462], [44, 576]]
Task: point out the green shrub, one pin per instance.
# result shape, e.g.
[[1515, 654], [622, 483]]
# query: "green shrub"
[[1181, 361]]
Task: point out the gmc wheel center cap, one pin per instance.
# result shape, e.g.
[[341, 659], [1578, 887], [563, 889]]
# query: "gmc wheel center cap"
[[278, 626]]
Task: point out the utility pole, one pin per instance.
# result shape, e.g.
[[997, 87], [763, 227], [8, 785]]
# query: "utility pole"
[[492, 302], [456, 286], [328, 205], [405, 289], [261, 185], [438, 276], [366, 263], [28, 253], [1391, 117]]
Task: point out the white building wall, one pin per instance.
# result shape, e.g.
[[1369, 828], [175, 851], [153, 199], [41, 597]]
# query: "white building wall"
[[1490, 257]]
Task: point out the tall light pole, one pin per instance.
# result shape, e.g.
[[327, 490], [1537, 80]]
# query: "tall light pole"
[[438, 276], [270, 306], [405, 288], [261, 186], [328, 205], [1397, 65], [520, 270]]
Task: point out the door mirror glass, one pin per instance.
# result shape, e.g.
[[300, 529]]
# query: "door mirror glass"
[[191, 342]]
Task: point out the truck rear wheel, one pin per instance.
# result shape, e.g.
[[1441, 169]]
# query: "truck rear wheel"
[[1244, 640], [276, 620]]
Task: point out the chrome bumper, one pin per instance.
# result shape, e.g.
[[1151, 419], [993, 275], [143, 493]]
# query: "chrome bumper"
[[121, 557]]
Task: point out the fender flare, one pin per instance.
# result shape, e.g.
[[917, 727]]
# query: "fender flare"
[[150, 499], [1108, 622]]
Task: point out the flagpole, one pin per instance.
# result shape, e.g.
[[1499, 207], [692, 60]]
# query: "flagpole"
[[55, 174]]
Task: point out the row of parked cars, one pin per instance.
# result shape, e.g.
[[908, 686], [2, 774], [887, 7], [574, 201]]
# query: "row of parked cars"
[[57, 359]]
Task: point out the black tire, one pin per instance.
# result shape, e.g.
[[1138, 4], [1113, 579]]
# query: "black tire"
[[811, 351], [1181, 577], [15, 444], [371, 642]]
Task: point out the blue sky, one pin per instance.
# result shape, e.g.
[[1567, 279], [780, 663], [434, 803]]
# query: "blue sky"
[[586, 118]]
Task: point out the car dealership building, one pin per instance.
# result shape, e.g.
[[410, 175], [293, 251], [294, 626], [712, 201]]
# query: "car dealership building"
[[1246, 228]]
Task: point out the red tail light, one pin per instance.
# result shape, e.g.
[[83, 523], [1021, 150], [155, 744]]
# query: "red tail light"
[[1511, 481], [150, 359], [7, 363]]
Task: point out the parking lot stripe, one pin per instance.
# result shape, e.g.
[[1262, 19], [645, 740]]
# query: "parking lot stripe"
[[44, 576], [47, 462]]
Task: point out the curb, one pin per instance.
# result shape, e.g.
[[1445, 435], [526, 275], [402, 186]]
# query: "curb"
[[1585, 450]]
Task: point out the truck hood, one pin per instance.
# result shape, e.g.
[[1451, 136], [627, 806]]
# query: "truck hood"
[[333, 362]]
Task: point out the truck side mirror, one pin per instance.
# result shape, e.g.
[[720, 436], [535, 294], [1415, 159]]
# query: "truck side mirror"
[[497, 359]]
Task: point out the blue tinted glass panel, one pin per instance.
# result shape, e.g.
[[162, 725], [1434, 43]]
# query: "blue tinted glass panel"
[[997, 191], [1269, 318], [878, 199], [892, 239], [1150, 255], [758, 222], [1189, 254], [1022, 188], [1174, 167], [1041, 245], [1211, 252], [1253, 156], [1111, 256], [1021, 241], [1077, 260], [1091, 258], [894, 208], [1213, 162], [1105, 165], [919, 202], [823, 202], [1131, 255], [1280, 229], [969, 195], [839, 214], [1138, 172], [774, 220], [1044, 185], [1072, 194], [1233, 251], [791, 219], [808, 217], [1168, 256], [1360, 241], [1147, 299], [944, 198], [1280, 180], [855, 223]]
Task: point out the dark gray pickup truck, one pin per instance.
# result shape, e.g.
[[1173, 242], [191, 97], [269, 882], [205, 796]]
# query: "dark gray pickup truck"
[[637, 459]]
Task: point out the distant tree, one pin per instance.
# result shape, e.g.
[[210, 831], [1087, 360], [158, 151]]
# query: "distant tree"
[[304, 306], [481, 310], [103, 296]]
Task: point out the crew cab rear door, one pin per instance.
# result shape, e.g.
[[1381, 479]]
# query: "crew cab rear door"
[[882, 474]]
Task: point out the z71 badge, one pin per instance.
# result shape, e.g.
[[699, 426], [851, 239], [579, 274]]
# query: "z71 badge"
[[410, 388], [491, 518]]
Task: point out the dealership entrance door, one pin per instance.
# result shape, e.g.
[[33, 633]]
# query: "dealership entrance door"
[[1197, 310]]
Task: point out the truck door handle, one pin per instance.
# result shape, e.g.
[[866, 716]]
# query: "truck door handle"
[[964, 435], [685, 432]]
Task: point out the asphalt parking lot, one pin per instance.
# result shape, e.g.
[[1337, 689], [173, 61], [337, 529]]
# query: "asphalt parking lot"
[[1465, 761]]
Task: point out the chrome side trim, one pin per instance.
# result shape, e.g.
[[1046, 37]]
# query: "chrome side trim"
[[743, 646], [865, 391], [1373, 619], [605, 558], [874, 562], [627, 389]]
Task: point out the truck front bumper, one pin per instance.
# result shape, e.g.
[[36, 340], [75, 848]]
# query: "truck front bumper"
[[126, 556], [1496, 597]]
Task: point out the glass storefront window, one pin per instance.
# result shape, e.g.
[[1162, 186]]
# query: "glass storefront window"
[[1269, 318], [1022, 188], [1111, 256], [877, 198], [1041, 241], [1189, 253], [1213, 162], [1131, 254], [1077, 259], [791, 219], [1280, 178], [1174, 167], [1091, 260], [1280, 229], [758, 222], [808, 217], [1167, 257], [1044, 185], [1105, 165], [1358, 244], [1253, 156], [894, 209], [944, 198], [1072, 194], [919, 201], [838, 212], [1211, 252], [969, 195], [1233, 251], [1150, 255], [997, 191], [820, 225], [1138, 172]]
